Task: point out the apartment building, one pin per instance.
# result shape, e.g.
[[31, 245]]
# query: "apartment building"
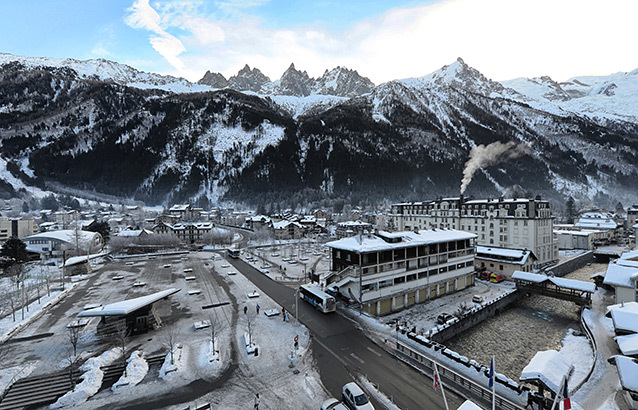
[[19, 228], [518, 223], [389, 271]]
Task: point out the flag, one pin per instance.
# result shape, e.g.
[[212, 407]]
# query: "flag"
[[567, 403], [491, 373], [435, 378]]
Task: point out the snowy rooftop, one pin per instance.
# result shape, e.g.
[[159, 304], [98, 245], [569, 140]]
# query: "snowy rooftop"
[[127, 306], [625, 307], [468, 405], [628, 373], [134, 233], [63, 236], [549, 368], [520, 255], [625, 321], [597, 223], [618, 275], [80, 259], [628, 344], [364, 243], [562, 282]]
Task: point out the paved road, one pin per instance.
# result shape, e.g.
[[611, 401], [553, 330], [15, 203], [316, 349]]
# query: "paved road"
[[343, 350]]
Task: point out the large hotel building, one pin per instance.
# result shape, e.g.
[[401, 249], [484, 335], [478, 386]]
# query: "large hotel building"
[[387, 271], [519, 223]]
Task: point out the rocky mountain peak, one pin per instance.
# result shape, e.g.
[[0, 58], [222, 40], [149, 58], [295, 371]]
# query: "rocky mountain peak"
[[215, 80], [295, 82], [248, 79]]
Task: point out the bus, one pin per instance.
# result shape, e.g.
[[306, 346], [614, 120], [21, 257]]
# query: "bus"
[[233, 253], [313, 294]]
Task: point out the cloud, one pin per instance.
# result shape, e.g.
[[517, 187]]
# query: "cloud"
[[143, 16], [503, 39]]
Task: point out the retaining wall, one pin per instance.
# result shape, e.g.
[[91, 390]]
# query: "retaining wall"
[[442, 333], [571, 265]]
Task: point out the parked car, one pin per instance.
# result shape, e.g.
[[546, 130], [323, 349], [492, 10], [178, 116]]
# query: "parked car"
[[333, 404], [355, 398], [477, 299], [496, 277], [444, 318]]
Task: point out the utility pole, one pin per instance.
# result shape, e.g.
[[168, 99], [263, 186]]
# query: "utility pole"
[[297, 305]]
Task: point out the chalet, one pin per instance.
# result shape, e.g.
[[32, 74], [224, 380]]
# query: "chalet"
[[287, 230], [187, 232], [622, 275], [504, 260], [352, 228]]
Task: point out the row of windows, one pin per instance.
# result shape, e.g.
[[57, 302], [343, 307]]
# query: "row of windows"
[[414, 276]]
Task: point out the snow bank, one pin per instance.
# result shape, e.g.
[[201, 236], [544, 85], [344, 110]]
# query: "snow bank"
[[136, 370], [372, 390], [208, 354], [179, 361], [91, 380]]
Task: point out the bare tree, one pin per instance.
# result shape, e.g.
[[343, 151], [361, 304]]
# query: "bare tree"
[[120, 339], [169, 340], [73, 361], [250, 326], [74, 332]]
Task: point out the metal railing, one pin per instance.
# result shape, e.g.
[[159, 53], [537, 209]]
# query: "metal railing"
[[459, 383]]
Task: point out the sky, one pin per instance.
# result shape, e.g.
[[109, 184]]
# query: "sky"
[[382, 40]]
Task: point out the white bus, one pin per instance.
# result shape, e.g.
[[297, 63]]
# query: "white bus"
[[313, 294], [233, 253]]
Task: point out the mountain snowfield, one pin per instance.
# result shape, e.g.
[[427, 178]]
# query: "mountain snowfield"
[[245, 138]]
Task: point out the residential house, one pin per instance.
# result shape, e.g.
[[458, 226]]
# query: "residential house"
[[504, 260]]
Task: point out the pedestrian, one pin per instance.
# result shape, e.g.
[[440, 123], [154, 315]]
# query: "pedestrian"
[[257, 401], [257, 307], [245, 310], [283, 313]]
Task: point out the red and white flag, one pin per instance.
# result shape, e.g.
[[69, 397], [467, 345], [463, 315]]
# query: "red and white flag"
[[435, 378], [567, 403]]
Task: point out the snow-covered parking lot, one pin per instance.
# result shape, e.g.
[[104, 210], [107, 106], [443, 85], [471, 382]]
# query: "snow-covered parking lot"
[[226, 376]]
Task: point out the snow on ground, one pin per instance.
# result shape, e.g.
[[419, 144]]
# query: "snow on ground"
[[8, 326], [10, 375], [136, 370], [270, 373], [578, 351], [599, 391], [91, 380], [174, 363]]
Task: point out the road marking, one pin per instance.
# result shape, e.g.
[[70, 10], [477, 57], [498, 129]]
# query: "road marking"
[[357, 357], [373, 351]]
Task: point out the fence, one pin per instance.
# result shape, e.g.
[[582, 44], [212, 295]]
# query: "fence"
[[461, 384]]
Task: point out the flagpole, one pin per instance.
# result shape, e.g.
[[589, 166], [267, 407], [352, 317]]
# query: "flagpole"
[[437, 376], [559, 393], [493, 384]]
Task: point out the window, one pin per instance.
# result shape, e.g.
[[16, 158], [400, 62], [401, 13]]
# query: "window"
[[400, 279], [443, 269]]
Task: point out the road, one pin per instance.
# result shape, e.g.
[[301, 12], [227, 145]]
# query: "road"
[[342, 350]]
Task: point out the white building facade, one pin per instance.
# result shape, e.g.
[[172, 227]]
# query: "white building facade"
[[506, 223], [387, 271]]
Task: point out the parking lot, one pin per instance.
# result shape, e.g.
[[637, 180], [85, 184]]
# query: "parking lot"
[[210, 291]]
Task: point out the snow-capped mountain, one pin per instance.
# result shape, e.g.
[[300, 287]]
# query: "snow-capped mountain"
[[612, 97], [106, 70], [404, 139], [339, 82]]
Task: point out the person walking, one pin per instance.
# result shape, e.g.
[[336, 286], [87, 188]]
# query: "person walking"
[[283, 313], [245, 310], [257, 401], [257, 307]]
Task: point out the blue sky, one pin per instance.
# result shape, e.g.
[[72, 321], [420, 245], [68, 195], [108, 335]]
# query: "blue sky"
[[383, 40]]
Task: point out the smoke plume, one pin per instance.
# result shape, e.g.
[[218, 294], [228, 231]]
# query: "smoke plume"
[[483, 156]]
